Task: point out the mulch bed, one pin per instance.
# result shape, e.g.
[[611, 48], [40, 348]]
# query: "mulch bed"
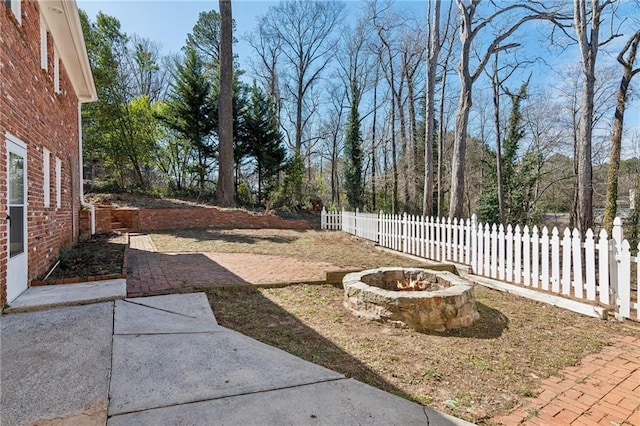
[[100, 257]]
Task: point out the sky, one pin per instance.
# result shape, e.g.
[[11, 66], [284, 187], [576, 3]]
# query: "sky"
[[169, 21]]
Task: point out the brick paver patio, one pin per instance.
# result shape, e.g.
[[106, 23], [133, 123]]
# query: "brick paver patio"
[[603, 390], [153, 273]]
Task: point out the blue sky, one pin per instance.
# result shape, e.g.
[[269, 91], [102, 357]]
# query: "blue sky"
[[169, 21]]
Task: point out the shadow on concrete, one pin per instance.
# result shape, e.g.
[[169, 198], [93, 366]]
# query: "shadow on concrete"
[[247, 311], [491, 324]]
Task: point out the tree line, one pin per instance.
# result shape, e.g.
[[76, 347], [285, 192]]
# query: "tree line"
[[371, 106]]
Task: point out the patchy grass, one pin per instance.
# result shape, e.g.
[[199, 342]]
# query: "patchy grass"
[[337, 248], [474, 373]]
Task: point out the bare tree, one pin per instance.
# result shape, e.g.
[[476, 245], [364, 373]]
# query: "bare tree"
[[448, 37], [268, 47], [383, 30], [471, 26], [304, 32], [225, 188], [587, 22], [433, 57], [497, 84], [413, 50], [630, 49]]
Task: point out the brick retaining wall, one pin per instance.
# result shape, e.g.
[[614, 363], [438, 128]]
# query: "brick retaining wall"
[[197, 217], [158, 219]]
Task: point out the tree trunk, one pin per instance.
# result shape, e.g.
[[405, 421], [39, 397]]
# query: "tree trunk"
[[413, 164], [456, 203], [588, 51], [406, 165], [585, 185], [456, 198], [225, 189], [373, 141], [496, 105], [432, 70], [611, 206]]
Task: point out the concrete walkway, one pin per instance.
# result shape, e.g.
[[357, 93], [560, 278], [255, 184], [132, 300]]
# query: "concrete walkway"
[[154, 273], [165, 360]]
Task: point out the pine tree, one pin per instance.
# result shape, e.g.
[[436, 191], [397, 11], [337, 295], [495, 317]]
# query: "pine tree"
[[353, 157], [190, 114], [260, 138]]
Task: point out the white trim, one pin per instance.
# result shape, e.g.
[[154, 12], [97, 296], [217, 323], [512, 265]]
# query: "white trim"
[[550, 299], [63, 22], [46, 181], [15, 140], [43, 44], [56, 71], [19, 260], [58, 183], [16, 8], [83, 202]]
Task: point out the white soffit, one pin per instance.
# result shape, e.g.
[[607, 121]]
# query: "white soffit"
[[63, 22]]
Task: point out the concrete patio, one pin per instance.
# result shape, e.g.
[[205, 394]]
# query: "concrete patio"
[[165, 360]]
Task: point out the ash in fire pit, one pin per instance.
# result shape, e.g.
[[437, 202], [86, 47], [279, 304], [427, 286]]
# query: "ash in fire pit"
[[418, 298]]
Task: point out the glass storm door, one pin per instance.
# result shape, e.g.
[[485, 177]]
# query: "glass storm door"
[[17, 218]]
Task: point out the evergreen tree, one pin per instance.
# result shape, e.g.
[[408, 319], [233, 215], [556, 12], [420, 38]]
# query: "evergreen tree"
[[488, 209], [353, 157], [260, 138], [190, 113], [519, 175]]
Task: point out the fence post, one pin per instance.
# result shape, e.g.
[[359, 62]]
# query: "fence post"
[[404, 232], [474, 243], [615, 265], [323, 218]]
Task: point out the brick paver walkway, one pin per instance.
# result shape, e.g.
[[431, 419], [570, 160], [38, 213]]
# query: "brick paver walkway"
[[603, 390], [151, 272]]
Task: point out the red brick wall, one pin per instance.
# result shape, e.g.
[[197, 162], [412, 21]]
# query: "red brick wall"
[[128, 217], [103, 220], [31, 111], [158, 219]]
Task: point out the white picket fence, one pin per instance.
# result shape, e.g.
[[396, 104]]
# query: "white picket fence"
[[599, 270]]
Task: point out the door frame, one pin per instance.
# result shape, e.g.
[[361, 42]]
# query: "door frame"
[[16, 146]]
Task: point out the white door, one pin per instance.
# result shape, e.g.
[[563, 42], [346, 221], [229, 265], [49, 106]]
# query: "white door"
[[17, 217]]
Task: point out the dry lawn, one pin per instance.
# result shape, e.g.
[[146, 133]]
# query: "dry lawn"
[[474, 373], [337, 248]]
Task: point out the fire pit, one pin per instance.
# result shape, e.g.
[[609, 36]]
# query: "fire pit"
[[417, 298]]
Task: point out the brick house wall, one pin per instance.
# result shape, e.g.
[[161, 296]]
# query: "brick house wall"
[[42, 118]]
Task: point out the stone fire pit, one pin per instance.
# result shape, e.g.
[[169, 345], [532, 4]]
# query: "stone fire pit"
[[418, 298]]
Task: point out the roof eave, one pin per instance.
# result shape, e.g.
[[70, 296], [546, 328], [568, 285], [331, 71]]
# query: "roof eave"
[[63, 22]]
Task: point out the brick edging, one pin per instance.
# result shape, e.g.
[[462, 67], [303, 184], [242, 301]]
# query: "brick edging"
[[91, 278]]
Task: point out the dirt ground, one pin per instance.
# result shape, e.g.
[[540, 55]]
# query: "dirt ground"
[[99, 255]]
